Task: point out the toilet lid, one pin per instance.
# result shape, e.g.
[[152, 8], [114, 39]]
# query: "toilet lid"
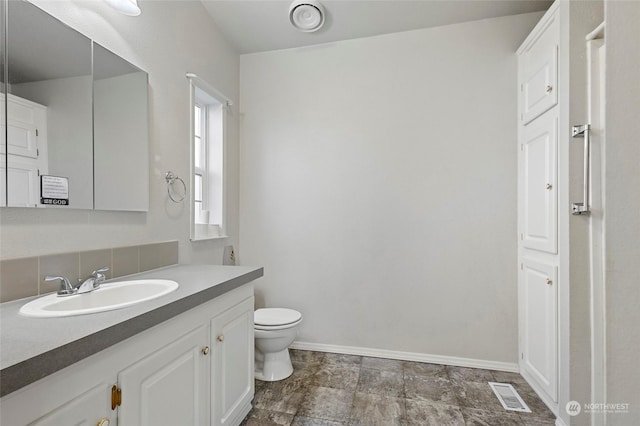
[[275, 316]]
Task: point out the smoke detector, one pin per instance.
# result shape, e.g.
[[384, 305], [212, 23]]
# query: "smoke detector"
[[306, 15]]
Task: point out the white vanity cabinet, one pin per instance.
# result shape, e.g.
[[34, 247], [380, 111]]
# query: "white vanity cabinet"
[[194, 369]]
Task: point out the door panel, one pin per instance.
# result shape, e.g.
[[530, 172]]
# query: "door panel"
[[538, 316], [539, 71], [232, 362], [169, 387], [539, 184]]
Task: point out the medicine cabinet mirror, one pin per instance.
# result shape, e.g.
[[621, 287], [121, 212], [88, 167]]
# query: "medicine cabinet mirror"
[[76, 119]]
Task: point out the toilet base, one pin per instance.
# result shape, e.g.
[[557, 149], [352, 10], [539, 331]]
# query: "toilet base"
[[273, 366]]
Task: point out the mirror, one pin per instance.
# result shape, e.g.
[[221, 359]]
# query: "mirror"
[[49, 127], [121, 132], [76, 121]]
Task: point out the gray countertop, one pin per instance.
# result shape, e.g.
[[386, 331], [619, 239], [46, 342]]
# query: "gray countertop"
[[33, 348]]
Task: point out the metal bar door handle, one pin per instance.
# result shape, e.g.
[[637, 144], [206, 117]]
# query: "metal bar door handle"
[[583, 131]]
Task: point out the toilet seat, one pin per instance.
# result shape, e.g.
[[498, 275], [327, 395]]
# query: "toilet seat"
[[276, 327], [276, 318]]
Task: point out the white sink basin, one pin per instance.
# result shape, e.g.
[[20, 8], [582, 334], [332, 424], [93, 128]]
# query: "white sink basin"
[[109, 296]]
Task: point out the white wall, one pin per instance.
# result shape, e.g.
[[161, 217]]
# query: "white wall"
[[622, 220], [378, 187], [169, 39]]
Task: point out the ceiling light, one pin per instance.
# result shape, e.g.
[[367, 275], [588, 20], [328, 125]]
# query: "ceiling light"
[[306, 15], [127, 7]]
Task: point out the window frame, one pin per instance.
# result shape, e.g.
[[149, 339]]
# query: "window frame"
[[204, 95]]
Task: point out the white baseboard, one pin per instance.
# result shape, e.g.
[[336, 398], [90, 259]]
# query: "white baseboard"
[[409, 356]]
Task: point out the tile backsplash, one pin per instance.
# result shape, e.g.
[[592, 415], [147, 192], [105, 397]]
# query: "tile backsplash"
[[24, 277]]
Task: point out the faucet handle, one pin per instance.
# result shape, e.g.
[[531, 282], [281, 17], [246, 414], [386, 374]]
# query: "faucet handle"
[[99, 271], [66, 289]]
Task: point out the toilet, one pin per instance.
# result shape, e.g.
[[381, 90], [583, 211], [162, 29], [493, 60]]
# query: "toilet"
[[275, 329]]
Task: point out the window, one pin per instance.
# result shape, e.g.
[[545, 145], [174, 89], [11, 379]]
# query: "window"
[[208, 112]]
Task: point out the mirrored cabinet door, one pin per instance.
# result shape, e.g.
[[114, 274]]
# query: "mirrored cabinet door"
[[75, 127], [121, 151], [49, 147]]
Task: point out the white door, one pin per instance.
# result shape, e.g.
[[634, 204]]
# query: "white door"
[[538, 167], [232, 363], [596, 74], [539, 71], [539, 324], [25, 120], [24, 190], [169, 387]]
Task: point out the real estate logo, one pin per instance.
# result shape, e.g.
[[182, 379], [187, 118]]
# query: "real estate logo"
[[573, 408]]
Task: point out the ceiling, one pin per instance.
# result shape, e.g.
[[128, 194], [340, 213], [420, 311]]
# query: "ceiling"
[[262, 25]]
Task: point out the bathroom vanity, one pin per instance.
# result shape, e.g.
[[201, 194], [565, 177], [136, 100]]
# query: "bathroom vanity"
[[183, 359]]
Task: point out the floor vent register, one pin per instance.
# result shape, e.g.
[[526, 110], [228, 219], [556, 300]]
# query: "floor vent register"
[[509, 397]]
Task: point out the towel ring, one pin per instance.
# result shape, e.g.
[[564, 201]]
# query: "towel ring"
[[171, 180]]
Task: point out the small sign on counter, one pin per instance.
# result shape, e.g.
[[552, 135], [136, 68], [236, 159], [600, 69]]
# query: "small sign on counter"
[[54, 190]]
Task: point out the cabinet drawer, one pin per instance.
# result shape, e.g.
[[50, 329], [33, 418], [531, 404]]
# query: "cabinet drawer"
[[539, 73]]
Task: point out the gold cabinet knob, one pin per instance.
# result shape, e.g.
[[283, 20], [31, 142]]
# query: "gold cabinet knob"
[[549, 186], [205, 350], [549, 88], [103, 422], [220, 338], [549, 281]]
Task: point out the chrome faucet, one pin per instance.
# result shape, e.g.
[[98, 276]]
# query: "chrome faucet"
[[83, 286], [92, 282], [66, 289]]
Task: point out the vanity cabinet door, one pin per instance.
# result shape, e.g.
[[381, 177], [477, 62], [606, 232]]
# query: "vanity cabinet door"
[[232, 364], [168, 387], [87, 409]]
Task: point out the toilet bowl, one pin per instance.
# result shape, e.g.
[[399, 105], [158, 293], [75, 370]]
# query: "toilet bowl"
[[274, 330]]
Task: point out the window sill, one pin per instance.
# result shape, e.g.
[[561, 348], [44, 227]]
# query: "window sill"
[[203, 232]]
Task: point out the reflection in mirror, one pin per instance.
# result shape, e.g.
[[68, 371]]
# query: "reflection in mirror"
[[121, 153], [49, 119], [3, 157]]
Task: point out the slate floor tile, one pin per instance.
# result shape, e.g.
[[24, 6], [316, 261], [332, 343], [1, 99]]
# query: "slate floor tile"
[[537, 421], [428, 413], [310, 357], [283, 397], [257, 417], [382, 364], [343, 360], [327, 403], [435, 388], [423, 369], [310, 421], [373, 410], [475, 417], [336, 376], [464, 374], [381, 382]]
